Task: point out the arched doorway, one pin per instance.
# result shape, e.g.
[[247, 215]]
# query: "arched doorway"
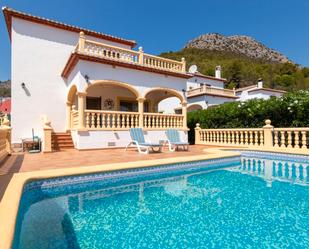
[[194, 107]]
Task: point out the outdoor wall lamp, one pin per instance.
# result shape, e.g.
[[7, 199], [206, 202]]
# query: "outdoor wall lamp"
[[23, 85], [87, 78]]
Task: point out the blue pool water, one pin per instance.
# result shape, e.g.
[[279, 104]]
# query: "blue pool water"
[[248, 202]]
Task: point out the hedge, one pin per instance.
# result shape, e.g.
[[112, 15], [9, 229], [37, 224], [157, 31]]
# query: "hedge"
[[291, 110]]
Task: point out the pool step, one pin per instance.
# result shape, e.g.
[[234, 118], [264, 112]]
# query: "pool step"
[[62, 141]]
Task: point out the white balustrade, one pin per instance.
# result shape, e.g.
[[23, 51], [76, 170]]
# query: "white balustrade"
[[158, 120], [110, 52], [114, 53], [231, 137], [292, 138], [210, 90], [162, 63], [105, 120], [286, 139]]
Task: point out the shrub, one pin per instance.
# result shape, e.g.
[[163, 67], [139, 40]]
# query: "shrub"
[[291, 110]]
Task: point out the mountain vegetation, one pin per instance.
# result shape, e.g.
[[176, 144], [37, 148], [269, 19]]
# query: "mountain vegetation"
[[240, 66], [5, 88]]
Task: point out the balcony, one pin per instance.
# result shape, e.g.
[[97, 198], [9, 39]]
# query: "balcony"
[[101, 52], [207, 90]]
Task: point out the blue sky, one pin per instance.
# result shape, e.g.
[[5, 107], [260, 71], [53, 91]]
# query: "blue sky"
[[166, 25]]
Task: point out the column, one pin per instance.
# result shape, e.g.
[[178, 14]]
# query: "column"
[[140, 111], [197, 130], [183, 67], [184, 114], [6, 126], [141, 56], [47, 139], [81, 109], [68, 120], [268, 136], [81, 41]]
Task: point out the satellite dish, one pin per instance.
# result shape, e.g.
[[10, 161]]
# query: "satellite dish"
[[193, 69]]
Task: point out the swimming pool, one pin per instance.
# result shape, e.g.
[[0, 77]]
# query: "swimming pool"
[[236, 202]]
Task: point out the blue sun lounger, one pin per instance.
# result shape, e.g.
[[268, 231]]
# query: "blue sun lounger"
[[174, 141], [139, 142]]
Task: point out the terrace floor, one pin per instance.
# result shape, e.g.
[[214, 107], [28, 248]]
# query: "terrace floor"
[[21, 162]]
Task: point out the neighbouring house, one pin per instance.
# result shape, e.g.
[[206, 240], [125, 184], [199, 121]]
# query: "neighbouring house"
[[91, 86], [206, 91], [257, 91]]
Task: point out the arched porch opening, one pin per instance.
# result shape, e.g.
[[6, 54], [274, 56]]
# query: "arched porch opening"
[[194, 107], [111, 96], [162, 105], [163, 100]]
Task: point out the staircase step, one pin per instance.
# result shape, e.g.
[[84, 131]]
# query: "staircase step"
[[62, 141]]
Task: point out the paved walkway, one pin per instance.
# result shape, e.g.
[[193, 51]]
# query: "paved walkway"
[[74, 158]]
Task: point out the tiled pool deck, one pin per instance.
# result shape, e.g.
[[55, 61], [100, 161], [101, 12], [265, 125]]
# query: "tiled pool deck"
[[74, 158]]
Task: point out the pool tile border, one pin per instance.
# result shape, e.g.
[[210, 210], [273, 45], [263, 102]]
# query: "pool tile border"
[[60, 181]]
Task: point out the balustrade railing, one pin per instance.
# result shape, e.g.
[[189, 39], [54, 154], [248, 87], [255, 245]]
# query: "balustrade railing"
[[267, 137], [210, 90], [162, 63], [95, 119], [120, 54], [110, 52], [236, 137], [291, 138], [158, 120]]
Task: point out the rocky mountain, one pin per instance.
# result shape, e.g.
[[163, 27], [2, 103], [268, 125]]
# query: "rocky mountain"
[[239, 44]]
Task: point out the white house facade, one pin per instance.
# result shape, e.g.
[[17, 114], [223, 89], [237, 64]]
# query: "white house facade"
[[206, 91], [257, 91], [87, 84]]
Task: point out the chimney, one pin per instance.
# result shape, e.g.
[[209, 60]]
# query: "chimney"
[[260, 83], [218, 72]]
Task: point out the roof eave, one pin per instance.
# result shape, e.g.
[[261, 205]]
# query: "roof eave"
[[9, 13]]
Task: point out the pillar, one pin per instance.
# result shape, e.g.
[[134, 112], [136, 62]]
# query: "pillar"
[[183, 67], [141, 56], [184, 114], [268, 136], [69, 115], [197, 134], [81, 109], [141, 112], [6, 126], [47, 139], [81, 42]]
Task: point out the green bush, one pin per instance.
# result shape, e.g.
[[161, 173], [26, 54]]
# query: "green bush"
[[291, 110]]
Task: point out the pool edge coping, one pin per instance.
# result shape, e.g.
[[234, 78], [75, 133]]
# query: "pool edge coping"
[[9, 204]]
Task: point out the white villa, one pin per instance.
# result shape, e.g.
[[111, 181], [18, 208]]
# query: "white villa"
[[87, 88], [89, 85]]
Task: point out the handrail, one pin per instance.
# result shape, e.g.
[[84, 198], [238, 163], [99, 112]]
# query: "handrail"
[[162, 114], [209, 89], [111, 112]]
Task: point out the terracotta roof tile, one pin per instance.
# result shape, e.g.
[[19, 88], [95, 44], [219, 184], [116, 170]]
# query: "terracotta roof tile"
[[9, 13]]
